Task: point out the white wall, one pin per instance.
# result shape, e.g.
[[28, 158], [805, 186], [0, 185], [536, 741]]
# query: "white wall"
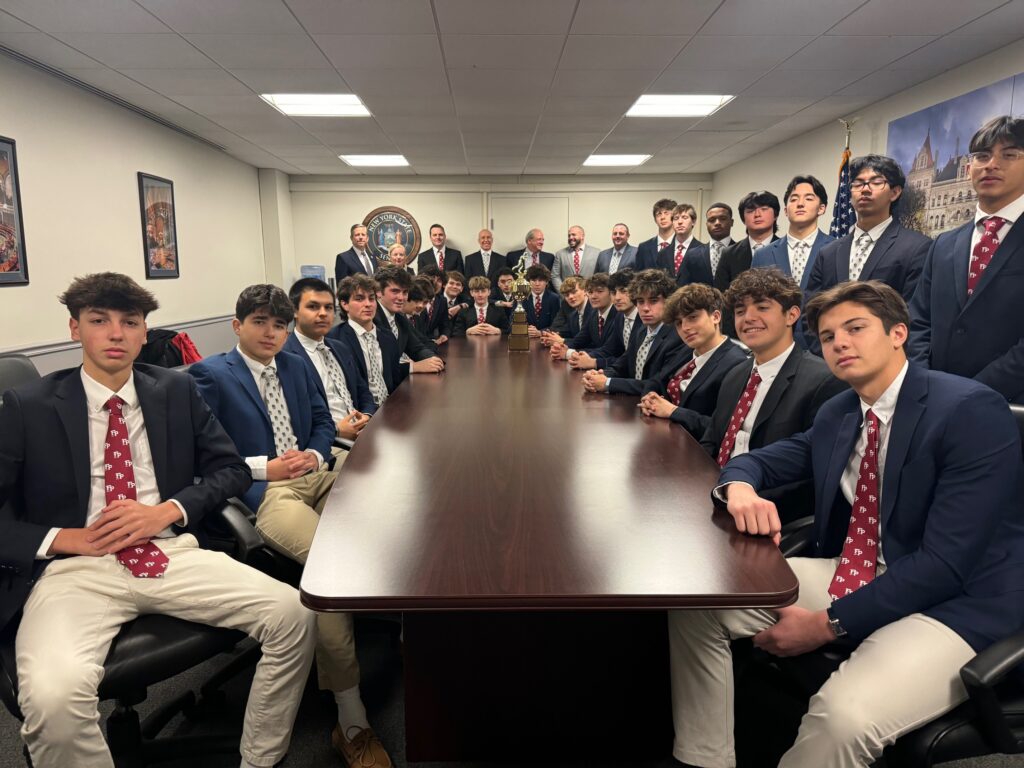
[[818, 152], [324, 209], [78, 156]]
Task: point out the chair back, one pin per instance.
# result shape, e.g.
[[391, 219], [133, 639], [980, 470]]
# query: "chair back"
[[1018, 415], [15, 370]]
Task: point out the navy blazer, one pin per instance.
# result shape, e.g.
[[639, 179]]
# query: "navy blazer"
[[699, 271], [452, 260], [467, 318], [647, 253], [475, 267], [548, 310], [227, 386], [604, 259], [393, 373], [567, 322], [547, 259], [409, 342], [666, 349], [440, 324], [347, 263], [735, 259], [950, 508], [357, 387], [981, 337], [45, 464], [588, 338], [700, 397], [615, 346]]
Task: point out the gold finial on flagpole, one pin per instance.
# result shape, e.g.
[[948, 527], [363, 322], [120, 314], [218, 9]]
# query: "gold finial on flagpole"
[[848, 125]]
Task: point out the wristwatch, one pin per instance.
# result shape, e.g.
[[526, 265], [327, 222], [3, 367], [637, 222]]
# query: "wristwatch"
[[833, 622]]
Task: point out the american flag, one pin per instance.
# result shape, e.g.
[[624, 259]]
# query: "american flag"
[[843, 216]]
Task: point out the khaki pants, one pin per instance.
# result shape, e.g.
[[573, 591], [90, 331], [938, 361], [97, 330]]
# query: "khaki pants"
[[77, 607], [287, 519], [902, 676]]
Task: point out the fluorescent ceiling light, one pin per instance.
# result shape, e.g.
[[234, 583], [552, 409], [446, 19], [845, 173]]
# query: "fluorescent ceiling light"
[[608, 160], [374, 160], [316, 104], [680, 105]]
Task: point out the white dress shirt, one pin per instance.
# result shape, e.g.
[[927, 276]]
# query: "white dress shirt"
[[875, 233], [767, 371], [146, 490], [1011, 213], [757, 245], [627, 325], [258, 464], [699, 362], [797, 270], [334, 402]]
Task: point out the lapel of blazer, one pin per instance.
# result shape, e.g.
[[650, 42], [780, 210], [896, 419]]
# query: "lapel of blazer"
[[885, 242], [960, 261], [705, 371], [777, 389], [73, 410], [909, 409], [780, 255], [846, 438], [242, 373], [843, 254], [820, 240], [289, 377], [657, 342], [1013, 244], [153, 401]]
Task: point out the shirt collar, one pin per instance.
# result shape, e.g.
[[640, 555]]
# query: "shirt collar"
[[438, 250], [686, 242], [360, 331], [792, 241], [1011, 212], [485, 253], [754, 242], [604, 312], [307, 343], [701, 359], [875, 232], [389, 315], [255, 365], [631, 315], [97, 395], [658, 239], [885, 405], [725, 241], [654, 331], [771, 368]]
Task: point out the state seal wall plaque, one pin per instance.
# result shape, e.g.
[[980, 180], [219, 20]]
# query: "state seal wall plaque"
[[388, 225]]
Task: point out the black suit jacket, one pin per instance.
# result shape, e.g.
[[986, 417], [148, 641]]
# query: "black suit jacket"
[[804, 383], [547, 259], [440, 324], [567, 321], [467, 318], [394, 373], [475, 266], [452, 260], [548, 310], [697, 272], [347, 263], [409, 342], [647, 254], [735, 259], [701, 395], [666, 349], [589, 339], [45, 464]]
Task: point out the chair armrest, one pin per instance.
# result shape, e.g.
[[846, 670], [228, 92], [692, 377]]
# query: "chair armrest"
[[238, 520], [981, 675], [797, 537]]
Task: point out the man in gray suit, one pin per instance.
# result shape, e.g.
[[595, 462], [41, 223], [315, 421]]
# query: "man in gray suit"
[[578, 259], [621, 255]]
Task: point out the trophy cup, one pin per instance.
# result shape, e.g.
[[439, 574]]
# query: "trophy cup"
[[519, 338]]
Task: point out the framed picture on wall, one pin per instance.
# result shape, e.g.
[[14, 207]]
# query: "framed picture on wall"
[[13, 266], [159, 232]]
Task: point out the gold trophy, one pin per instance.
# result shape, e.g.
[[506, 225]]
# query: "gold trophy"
[[519, 338]]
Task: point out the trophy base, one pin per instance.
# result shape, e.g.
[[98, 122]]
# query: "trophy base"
[[519, 339]]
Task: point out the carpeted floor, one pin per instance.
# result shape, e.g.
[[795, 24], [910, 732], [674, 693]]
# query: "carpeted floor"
[[382, 692]]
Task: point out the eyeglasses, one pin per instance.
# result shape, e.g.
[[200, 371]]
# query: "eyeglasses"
[[984, 157], [876, 183]]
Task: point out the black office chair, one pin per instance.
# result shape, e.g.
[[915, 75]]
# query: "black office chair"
[[991, 720], [146, 651]]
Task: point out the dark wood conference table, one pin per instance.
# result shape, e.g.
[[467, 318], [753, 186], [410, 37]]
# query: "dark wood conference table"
[[532, 535]]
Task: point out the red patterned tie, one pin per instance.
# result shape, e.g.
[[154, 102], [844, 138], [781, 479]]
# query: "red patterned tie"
[[674, 389], [600, 326], [536, 258], [537, 305], [576, 260], [860, 551], [984, 251], [480, 315], [738, 415], [679, 257], [662, 244], [430, 311], [145, 561], [440, 260]]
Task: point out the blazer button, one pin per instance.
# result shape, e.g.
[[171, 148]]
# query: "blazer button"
[[960, 331]]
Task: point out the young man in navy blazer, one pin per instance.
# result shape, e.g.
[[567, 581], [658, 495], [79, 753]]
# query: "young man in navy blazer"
[[481, 318], [269, 402], [652, 344], [687, 393], [435, 321], [573, 311], [964, 315], [541, 305], [685, 246], [347, 396], [410, 352], [899, 567], [617, 338], [599, 326], [374, 351], [80, 498], [647, 251]]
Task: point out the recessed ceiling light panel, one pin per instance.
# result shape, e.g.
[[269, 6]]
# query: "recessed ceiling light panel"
[[616, 160], [316, 104], [378, 161], [678, 105]]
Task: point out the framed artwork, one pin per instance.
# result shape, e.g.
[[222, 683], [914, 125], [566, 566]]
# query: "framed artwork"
[[13, 266], [159, 232]]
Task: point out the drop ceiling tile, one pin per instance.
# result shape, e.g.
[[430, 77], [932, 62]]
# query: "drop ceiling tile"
[[602, 82], [348, 52], [43, 48], [85, 15], [852, 52], [664, 125], [149, 51], [602, 170], [280, 135], [292, 80], [640, 17], [193, 82], [259, 51], [10, 24], [496, 154], [620, 51], [300, 152], [523, 17], [885, 82], [235, 16], [561, 123], [924, 17], [619, 146], [705, 81], [588, 106], [498, 139], [444, 169], [241, 107], [408, 106], [368, 16], [336, 168], [755, 17], [499, 82], [496, 170], [498, 105], [417, 126], [952, 51], [820, 82], [694, 141], [733, 52], [109, 81], [1009, 19], [502, 51], [561, 140], [555, 168], [481, 122], [396, 83]]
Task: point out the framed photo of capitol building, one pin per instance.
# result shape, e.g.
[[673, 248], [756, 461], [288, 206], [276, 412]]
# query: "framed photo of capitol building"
[[159, 227], [13, 266]]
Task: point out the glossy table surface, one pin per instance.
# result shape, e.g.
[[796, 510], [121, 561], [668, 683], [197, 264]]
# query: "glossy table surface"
[[500, 484]]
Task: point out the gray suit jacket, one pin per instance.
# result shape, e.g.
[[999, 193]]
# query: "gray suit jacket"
[[563, 266], [628, 260]]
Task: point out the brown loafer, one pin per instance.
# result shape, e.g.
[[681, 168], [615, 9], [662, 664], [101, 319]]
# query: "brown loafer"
[[364, 750]]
